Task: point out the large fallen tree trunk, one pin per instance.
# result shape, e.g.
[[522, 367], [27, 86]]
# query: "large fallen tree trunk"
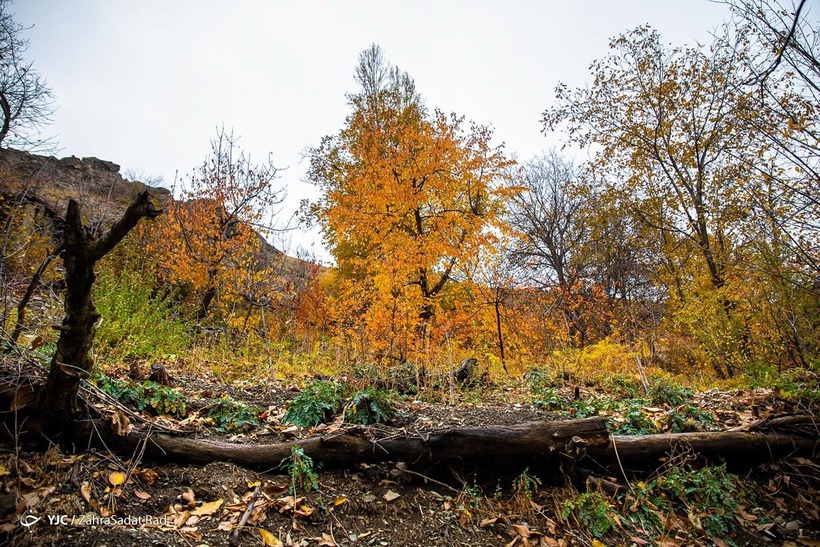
[[739, 448], [511, 445], [363, 444]]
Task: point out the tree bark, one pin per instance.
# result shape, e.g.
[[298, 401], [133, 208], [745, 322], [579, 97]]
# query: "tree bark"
[[738, 448], [494, 445], [57, 400], [358, 444]]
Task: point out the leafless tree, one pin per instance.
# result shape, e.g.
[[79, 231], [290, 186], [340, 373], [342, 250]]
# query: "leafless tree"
[[26, 103]]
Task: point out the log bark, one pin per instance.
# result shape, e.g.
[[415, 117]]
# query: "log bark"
[[739, 448], [497, 445], [360, 444]]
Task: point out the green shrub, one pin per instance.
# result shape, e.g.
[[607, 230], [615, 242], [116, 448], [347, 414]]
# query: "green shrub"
[[318, 403], [136, 324], [708, 497], [230, 415], [370, 406], [159, 398], [593, 511]]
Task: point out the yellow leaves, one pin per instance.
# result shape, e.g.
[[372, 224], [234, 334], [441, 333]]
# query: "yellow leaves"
[[269, 539], [116, 478], [409, 198], [208, 508]]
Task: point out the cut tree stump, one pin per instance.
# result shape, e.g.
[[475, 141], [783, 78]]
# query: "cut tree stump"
[[364, 444]]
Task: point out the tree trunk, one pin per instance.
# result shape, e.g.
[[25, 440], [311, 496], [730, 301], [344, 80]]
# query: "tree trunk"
[[57, 400], [496, 446], [499, 444]]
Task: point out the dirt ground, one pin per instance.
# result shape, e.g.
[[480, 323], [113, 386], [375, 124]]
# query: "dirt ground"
[[93, 498]]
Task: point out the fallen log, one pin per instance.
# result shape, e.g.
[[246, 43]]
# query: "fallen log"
[[739, 448], [363, 444]]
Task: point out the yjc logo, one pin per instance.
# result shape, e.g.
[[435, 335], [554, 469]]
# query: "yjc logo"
[[29, 520]]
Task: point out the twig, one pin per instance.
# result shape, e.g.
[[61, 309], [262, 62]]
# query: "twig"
[[434, 481], [246, 515]]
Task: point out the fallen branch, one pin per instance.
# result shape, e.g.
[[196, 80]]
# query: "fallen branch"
[[360, 444], [572, 440], [742, 448]]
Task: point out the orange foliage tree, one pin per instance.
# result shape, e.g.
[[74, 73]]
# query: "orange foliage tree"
[[212, 241], [409, 197]]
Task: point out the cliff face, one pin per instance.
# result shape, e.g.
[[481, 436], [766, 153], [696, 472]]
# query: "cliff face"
[[48, 183], [96, 184]]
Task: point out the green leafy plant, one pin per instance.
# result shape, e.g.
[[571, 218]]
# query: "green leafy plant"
[[137, 321], [593, 511], [371, 405], [707, 497], [526, 485], [583, 408], [548, 399], [230, 415], [688, 418], [636, 422], [147, 395], [302, 471], [667, 392], [318, 403]]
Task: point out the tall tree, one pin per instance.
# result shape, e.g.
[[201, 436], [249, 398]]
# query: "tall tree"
[[408, 195], [670, 127], [80, 252]]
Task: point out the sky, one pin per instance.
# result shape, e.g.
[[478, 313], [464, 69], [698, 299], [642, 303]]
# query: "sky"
[[146, 83]]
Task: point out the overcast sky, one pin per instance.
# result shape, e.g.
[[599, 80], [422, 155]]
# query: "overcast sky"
[[145, 83]]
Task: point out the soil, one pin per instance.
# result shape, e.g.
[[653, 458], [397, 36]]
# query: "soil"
[[395, 504]]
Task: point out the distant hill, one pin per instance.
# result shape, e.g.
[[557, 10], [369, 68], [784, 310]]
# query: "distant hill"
[[97, 185]]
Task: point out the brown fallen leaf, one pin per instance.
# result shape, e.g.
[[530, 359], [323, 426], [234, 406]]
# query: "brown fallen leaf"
[[85, 491], [148, 476], [487, 523], [188, 498], [303, 510], [207, 509], [23, 395], [274, 489], [142, 495], [390, 496], [191, 533], [522, 530], [326, 541], [121, 424]]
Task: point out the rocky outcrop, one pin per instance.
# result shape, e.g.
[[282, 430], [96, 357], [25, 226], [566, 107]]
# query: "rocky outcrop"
[[52, 182]]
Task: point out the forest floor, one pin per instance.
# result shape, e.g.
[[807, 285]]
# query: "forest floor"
[[94, 498]]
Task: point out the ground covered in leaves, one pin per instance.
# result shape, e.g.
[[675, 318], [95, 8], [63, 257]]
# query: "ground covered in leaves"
[[93, 497]]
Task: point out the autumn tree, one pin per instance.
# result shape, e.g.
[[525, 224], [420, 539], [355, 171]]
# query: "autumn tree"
[[690, 150], [408, 198], [670, 128], [25, 99], [212, 240]]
